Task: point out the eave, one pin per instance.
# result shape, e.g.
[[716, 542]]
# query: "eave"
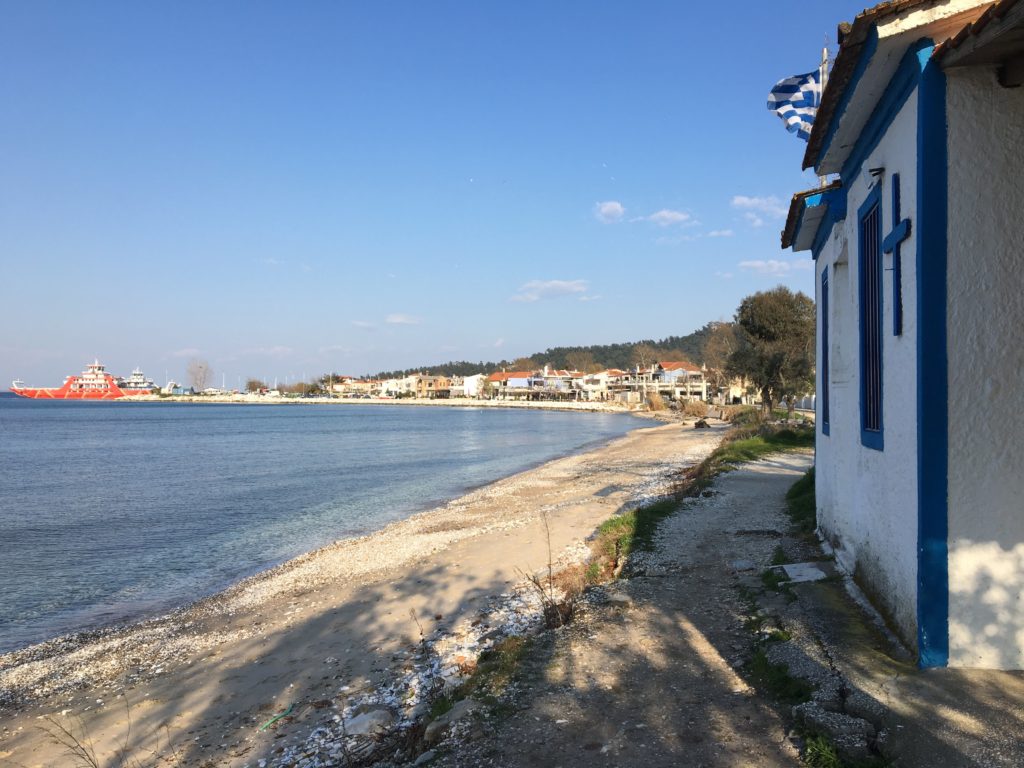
[[870, 52], [807, 212]]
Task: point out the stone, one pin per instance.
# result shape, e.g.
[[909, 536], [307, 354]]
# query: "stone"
[[743, 565], [426, 757], [700, 424], [801, 572], [835, 724], [461, 709], [619, 599], [369, 723], [435, 731]]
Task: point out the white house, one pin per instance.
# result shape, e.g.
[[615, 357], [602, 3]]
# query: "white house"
[[919, 251]]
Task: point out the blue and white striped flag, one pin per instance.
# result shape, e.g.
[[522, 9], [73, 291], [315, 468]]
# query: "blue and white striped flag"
[[796, 100]]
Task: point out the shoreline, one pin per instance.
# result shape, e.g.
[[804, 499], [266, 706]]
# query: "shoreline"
[[290, 607], [164, 609], [458, 402]]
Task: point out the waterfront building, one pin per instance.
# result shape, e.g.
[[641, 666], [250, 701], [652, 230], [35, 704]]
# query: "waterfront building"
[[917, 245]]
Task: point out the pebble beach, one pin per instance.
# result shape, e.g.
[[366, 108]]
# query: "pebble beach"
[[335, 633]]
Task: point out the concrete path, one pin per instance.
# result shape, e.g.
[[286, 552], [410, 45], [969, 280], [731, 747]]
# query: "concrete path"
[[652, 676], [656, 673]]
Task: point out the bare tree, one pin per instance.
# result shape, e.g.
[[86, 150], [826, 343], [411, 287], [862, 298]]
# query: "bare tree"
[[722, 342], [199, 374]]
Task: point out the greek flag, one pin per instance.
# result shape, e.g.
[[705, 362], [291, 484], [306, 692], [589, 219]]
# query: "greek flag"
[[795, 100]]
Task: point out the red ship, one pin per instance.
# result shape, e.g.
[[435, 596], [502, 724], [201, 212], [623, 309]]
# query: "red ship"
[[92, 384]]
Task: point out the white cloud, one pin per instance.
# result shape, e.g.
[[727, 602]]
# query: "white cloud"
[[364, 324], [774, 267], [770, 205], [720, 233], [666, 217], [499, 344], [535, 290], [400, 319], [609, 211], [754, 219]]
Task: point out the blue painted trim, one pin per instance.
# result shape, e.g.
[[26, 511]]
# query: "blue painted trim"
[[825, 326], [932, 373], [899, 88], [866, 54], [811, 201], [901, 229], [835, 213], [870, 438]]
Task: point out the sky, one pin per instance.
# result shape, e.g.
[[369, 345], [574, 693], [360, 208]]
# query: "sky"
[[286, 189]]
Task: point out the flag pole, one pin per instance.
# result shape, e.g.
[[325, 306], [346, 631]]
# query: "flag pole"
[[823, 80]]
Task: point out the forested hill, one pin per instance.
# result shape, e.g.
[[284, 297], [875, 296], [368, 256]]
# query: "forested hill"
[[596, 357]]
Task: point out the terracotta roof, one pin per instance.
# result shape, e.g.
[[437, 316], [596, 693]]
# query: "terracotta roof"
[[506, 375], [852, 38], [679, 366], [994, 12]]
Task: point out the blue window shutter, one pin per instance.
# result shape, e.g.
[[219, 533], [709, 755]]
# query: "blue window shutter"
[[824, 353], [870, 311]]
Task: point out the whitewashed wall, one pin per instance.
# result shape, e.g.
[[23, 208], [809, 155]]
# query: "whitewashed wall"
[[986, 370], [867, 499]]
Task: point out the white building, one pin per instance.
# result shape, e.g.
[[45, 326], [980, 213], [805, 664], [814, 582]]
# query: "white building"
[[918, 249]]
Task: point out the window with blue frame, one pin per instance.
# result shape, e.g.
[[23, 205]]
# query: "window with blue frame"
[[824, 353], [870, 304]]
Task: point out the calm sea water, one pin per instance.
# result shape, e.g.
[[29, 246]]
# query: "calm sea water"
[[118, 511]]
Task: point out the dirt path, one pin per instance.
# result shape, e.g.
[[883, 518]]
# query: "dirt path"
[[649, 677], [193, 688]]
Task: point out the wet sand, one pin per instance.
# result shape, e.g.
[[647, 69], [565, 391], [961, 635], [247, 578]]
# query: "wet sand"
[[192, 688]]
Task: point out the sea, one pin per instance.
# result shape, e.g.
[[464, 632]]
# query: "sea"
[[113, 512]]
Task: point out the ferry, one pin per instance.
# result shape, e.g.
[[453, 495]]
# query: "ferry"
[[94, 383]]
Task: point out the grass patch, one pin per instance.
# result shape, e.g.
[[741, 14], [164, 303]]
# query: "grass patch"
[[620, 536], [741, 444], [779, 556], [776, 680], [764, 441], [495, 671], [820, 752], [801, 503], [774, 579]]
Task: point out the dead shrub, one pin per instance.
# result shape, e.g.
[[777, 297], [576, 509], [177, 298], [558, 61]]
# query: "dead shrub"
[[698, 409], [656, 402]]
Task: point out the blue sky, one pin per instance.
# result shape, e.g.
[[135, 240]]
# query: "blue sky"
[[291, 188]]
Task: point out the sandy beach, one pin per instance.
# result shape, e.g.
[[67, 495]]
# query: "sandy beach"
[[319, 634]]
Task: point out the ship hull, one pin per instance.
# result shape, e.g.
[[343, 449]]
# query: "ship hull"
[[65, 393]]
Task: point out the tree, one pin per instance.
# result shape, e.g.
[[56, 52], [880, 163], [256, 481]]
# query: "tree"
[[723, 340], [524, 364], [644, 355], [199, 374], [255, 385], [580, 360], [776, 345]]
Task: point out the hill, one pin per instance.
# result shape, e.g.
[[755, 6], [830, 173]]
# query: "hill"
[[583, 358]]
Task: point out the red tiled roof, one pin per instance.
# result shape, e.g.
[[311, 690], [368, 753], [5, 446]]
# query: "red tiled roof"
[[506, 375], [679, 366]]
